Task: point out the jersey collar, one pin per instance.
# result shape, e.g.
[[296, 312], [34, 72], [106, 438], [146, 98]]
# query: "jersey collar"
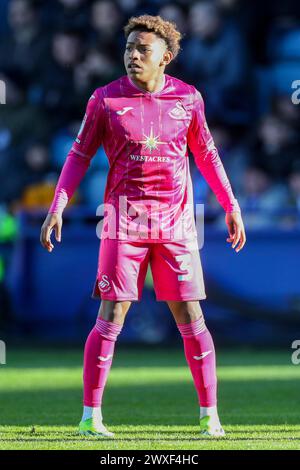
[[145, 92]]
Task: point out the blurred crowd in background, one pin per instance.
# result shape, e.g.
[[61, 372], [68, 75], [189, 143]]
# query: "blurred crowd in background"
[[243, 56]]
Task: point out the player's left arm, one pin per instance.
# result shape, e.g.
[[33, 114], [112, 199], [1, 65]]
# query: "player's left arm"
[[236, 230], [208, 161]]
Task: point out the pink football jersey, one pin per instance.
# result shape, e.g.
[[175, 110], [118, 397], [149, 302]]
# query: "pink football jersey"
[[146, 136]]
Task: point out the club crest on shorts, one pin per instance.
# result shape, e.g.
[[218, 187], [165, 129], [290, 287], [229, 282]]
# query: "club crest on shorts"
[[104, 284]]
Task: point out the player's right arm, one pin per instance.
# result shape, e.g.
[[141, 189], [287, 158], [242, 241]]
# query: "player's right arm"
[[77, 162]]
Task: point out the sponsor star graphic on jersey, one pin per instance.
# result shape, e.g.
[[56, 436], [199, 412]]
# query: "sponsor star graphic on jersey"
[[151, 141]]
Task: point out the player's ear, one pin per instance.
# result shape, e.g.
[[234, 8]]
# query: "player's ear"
[[167, 57]]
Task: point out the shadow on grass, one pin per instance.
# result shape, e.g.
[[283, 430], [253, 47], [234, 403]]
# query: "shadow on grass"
[[140, 357], [240, 403]]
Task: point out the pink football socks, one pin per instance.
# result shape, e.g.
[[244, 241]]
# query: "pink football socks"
[[200, 355], [98, 356], [199, 352]]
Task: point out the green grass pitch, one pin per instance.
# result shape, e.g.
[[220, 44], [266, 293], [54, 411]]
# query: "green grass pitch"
[[150, 401]]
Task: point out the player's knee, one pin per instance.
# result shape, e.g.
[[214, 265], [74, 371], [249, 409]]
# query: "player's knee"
[[188, 312], [114, 312]]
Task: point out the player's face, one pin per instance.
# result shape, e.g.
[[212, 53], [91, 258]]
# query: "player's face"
[[145, 56]]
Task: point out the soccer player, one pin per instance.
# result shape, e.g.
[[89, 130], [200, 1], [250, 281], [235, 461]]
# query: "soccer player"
[[146, 121]]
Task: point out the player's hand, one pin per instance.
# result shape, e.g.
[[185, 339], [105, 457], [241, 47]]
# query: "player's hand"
[[236, 230], [52, 221]]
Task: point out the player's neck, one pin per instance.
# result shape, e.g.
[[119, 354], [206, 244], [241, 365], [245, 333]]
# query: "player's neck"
[[152, 86]]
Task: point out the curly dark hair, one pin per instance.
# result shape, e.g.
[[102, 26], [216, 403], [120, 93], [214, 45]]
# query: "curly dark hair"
[[166, 30]]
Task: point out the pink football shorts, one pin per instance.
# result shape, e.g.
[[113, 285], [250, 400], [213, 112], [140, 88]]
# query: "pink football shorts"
[[122, 268]]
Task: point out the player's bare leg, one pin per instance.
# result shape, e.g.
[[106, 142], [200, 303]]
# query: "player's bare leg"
[[98, 356], [200, 355]]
